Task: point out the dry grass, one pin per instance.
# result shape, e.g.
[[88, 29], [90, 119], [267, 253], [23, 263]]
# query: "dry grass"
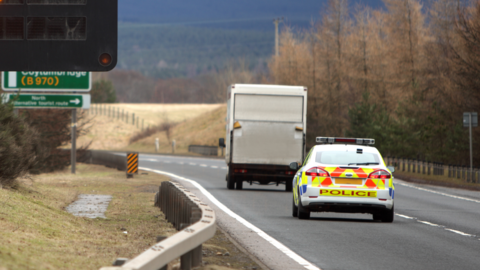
[[37, 233], [205, 129], [107, 133]]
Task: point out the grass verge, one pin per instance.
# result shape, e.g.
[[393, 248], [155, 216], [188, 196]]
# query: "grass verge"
[[37, 233]]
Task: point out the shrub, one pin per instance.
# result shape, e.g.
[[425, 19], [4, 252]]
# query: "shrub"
[[19, 145]]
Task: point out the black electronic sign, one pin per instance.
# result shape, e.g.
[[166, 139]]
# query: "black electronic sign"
[[52, 35]]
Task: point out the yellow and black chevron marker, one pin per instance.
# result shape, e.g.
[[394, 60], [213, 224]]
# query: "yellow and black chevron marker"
[[132, 163]]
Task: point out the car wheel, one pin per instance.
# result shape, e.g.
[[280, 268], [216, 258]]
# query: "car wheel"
[[230, 182], [387, 216], [239, 185], [302, 213], [294, 208], [288, 185]]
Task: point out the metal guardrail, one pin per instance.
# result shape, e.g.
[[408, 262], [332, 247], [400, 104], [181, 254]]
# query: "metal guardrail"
[[187, 213], [205, 150], [434, 168]]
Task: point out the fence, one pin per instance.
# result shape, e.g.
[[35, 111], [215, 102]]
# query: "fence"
[[188, 214], [116, 113], [204, 150], [433, 168]]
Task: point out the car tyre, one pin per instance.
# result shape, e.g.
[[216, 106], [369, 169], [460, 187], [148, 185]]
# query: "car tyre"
[[239, 185], [388, 216], [294, 208], [230, 182], [385, 216], [303, 212], [288, 185]]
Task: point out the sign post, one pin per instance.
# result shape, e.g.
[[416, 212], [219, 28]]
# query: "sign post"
[[470, 119]]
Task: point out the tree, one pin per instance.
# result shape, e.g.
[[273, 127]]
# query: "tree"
[[103, 92]]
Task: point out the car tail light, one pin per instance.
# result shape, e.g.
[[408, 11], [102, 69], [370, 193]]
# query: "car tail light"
[[240, 171], [316, 171], [380, 174], [289, 172]]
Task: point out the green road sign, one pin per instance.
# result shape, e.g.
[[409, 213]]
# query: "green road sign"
[[57, 81], [44, 101]]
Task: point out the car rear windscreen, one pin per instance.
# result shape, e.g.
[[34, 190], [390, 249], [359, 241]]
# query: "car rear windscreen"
[[345, 158]]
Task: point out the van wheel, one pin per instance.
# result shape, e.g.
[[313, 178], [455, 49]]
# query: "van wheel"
[[303, 212], [288, 185], [230, 182], [239, 185]]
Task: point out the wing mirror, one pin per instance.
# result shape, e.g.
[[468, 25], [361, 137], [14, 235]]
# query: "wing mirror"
[[294, 166], [391, 169], [221, 142]]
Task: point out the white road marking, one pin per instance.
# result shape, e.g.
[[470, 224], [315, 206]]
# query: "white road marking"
[[214, 167], [203, 165], [436, 225], [247, 224], [192, 163], [459, 232], [430, 224], [149, 159], [180, 163], [440, 193], [224, 168]]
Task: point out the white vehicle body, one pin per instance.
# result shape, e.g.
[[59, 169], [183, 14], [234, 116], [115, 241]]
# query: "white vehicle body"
[[265, 131], [344, 178]]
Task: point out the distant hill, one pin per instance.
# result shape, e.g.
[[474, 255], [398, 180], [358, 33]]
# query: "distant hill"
[[164, 51], [243, 14]]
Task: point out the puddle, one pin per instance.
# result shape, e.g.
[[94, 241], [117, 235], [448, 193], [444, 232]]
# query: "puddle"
[[90, 205]]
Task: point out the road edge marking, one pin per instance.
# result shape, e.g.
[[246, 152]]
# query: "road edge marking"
[[285, 250], [438, 192]]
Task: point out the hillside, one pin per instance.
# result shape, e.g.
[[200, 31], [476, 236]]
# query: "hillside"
[[171, 51], [108, 133], [205, 129]]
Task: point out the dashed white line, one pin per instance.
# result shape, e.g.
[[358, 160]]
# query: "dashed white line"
[[247, 224], [224, 168], [214, 167], [459, 232], [180, 163], [436, 225], [203, 165]]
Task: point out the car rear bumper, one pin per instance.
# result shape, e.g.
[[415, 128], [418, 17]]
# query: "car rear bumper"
[[315, 202]]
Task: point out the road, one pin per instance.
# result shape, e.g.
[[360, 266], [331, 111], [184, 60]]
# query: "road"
[[434, 227]]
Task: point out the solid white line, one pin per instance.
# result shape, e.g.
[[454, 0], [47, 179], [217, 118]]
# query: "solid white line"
[[437, 192], [247, 224]]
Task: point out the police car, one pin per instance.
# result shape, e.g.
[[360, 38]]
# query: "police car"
[[343, 175]]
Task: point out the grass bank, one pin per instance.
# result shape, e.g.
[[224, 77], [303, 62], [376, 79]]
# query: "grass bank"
[[37, 233]]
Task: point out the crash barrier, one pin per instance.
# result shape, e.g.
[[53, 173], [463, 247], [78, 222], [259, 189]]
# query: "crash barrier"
[[434, 168], [106, 158], [205, 150], [195, 222]]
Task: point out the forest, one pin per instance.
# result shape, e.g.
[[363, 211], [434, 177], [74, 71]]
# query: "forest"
[[403, 75]]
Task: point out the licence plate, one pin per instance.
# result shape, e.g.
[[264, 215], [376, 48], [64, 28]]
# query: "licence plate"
[[348, 193], [348, 181]]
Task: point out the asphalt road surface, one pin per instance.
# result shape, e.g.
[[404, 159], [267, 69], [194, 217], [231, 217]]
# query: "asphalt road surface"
[[434, 227]]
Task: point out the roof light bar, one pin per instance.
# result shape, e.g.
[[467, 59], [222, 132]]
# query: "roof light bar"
[[361, 141]]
